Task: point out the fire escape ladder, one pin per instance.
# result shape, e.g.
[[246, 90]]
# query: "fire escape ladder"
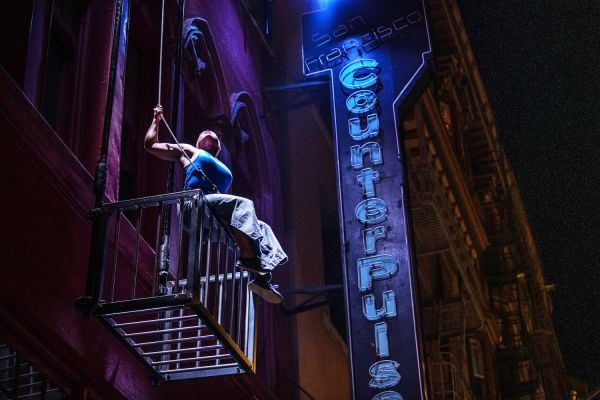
[[447, 380], [184, 310]]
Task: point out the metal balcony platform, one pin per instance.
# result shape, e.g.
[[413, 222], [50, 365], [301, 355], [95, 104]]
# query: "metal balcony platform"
[[177, 338], [187, 318]]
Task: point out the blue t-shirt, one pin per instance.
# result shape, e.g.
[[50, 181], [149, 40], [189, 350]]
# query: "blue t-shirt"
[[214, 169]]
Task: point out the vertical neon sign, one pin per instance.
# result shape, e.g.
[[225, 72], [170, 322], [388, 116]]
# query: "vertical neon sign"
[[375, 52]]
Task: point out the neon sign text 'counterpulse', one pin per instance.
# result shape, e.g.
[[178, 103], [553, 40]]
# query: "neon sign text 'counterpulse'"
[[361, 76]]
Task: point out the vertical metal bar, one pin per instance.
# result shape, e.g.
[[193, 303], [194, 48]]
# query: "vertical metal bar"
[[156, 256], [115, 255], [166, 335], [217, 306], [208, 259], [160, 337], [178, 267], [194, 247], [221, 245], [218, 351], [202, 259], [250, 340], [202, 218], [239, 308], [138, 232], [200, 209], [225, 275], [198, 342], [17, 379], [233, 291], [246, 324], [179, 336]]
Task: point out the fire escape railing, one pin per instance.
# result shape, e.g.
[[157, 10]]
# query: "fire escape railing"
[[185, 311], [446, 381], [19, 379]]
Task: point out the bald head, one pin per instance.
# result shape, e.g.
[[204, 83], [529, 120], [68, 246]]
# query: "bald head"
[[209, 142]]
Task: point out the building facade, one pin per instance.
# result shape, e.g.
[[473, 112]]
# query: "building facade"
[[87, 220]]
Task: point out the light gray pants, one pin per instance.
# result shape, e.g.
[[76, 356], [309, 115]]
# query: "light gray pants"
[[239, 213]]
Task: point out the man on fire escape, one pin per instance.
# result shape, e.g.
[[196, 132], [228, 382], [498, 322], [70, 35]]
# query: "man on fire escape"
[[259, 250]]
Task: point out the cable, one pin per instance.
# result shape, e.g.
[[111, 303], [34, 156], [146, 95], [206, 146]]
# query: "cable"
[[160, 65], [160, 55]]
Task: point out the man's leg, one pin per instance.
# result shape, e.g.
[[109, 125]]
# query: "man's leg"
[[249, 254], [247, 230], [238, 213]]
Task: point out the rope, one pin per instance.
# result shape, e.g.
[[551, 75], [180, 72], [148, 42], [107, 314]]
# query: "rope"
[[160, 55], [163, 252], [160, 65], [206, 179]]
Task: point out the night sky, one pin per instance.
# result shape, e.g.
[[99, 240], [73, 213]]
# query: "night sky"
[[540, 63]]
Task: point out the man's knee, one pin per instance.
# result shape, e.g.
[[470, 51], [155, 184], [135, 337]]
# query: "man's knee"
[[246, 203]]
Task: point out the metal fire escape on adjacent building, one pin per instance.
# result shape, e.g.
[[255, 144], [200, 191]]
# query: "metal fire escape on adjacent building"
[[528, 359], [519, 377], [449, 319]]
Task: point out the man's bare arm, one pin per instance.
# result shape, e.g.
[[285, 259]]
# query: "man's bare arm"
[[164, 151]]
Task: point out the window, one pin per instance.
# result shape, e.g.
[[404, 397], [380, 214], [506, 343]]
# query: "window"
[[58, 94], [513, 329], [132, 131], [140, 174], [15, 21], [524, 372]]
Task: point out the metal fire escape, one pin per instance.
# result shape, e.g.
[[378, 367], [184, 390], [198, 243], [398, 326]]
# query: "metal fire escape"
[[19, 379], [506, 271], [451, 323], [185, 311], [446, 321], [162, 273]]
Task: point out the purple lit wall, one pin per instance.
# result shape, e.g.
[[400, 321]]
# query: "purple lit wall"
[[47, 193]]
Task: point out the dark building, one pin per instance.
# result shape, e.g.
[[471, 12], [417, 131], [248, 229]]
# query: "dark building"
[[88, 215]]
